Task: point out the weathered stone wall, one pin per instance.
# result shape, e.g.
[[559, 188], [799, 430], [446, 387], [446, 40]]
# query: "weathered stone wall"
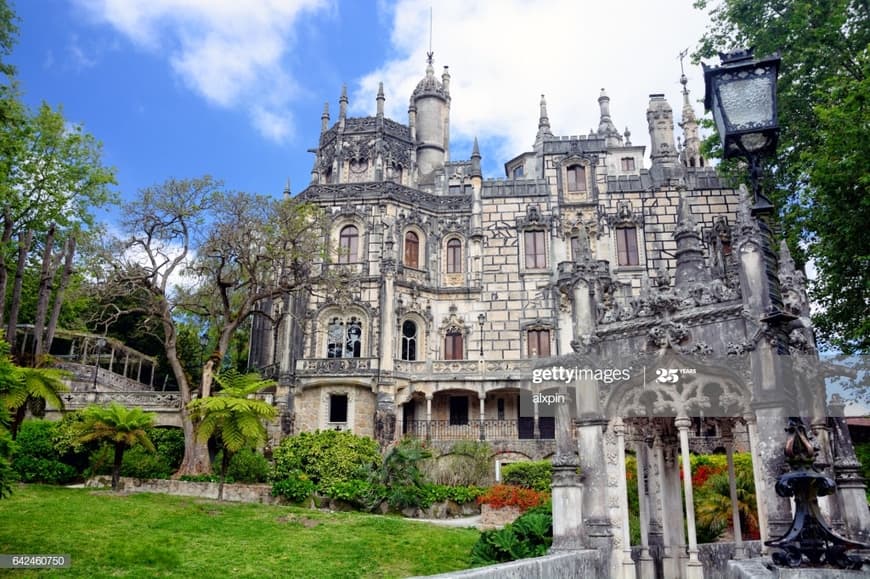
[[254, 493], [312, 409], [571, 564]]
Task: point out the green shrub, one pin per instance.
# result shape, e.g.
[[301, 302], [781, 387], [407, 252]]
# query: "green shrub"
[[326, 457], [296, 486], [469, 463], [169, 443], [362, 494], [537, 475], [139, 463], [529, 536], [34, 457], [248, 466]]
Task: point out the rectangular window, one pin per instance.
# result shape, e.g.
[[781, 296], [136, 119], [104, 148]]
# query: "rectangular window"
[[518, 172], [576, 178], [626, 246], [538, 343], [453, 346], [500, 408], [459, 410], [338, 407], [627, 163], [536, 248]]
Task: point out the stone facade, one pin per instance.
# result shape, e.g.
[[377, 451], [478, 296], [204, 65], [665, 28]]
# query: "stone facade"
[[456, 289]]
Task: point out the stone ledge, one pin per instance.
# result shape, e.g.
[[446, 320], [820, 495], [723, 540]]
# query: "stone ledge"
[[573, 564], [763, 568], [239, 493]]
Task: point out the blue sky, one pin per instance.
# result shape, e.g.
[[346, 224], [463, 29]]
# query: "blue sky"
[[181, 88]]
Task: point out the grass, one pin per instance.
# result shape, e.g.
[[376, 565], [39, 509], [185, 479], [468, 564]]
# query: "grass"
[[152, 535]]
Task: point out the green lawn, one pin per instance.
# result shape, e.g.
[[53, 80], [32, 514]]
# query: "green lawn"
[[151, 535]]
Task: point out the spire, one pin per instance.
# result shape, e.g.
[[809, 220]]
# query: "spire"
[[691, 267], [475, 160], [287, 189], [690, 155], [380, 99], [606, 127], [342, 105], [543, 122], [324, 118]]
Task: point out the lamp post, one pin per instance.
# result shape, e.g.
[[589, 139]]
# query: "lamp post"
[[481, 319], [99, 345], [741, 93]]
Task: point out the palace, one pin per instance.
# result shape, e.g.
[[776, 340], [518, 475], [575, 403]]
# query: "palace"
[[456, 289]]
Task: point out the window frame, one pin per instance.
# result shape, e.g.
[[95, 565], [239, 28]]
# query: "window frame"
[[453, 250], [454, 340], [627, 246], [532, 251], [411, 249], [576, 178], [536, 337], [333, 418], [348, 253], [408, 344]]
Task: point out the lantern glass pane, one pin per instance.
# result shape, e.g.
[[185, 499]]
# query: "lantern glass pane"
[[747, 102]]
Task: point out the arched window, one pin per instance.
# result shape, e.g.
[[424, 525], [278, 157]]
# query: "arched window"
[[409, 340], [454, 256], [348, 244], [412, 250], [576, 178], [453, 348], [344, 338]]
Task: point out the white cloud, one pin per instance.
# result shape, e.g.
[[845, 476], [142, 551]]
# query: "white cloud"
[[228, 51], [504, 55]]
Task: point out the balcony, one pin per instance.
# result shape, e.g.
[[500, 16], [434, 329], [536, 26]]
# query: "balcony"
[[337, 367], [489, 369], [488, 429]]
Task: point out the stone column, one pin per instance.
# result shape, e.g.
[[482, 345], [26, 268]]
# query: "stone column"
[[482, 399], [850, 485], [568, 529], [728, 440], [536, 427], [645, 561], [388, 318], [694, 570], [672, 511], [752, 433], [628, 570], [429, 397]]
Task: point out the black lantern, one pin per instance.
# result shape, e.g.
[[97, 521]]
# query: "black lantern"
[[481, 320], [741, 92]]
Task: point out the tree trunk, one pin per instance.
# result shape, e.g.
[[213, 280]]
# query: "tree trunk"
[[4, 275], [225, 464], [42, 295], [65, 276], [196, 460], [116, 468], [17, 419], [24, 241]]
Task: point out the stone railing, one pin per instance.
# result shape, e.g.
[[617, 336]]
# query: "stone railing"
[[472, 369], [151, 401], [488, 429], [336, 366]]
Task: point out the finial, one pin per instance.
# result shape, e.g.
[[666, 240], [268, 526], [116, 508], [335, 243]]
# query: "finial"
[[287, 188], [543, 120], [475, 160], [627, 135], [342, 103], [380, 99], [430, 54], [475, 149], [445, 80]]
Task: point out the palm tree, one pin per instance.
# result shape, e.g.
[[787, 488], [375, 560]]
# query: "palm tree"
[[22, 388], [713, 503], [233, 416], [121, 426]]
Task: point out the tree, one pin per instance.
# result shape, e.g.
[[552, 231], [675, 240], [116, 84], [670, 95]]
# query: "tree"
[[819, 175], [192, 249], [121, 426], [233, 417]]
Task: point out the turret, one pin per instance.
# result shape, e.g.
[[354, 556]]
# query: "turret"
[[342, 106], [663, 151], [606, 128], [431, 104], [324, 118]]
